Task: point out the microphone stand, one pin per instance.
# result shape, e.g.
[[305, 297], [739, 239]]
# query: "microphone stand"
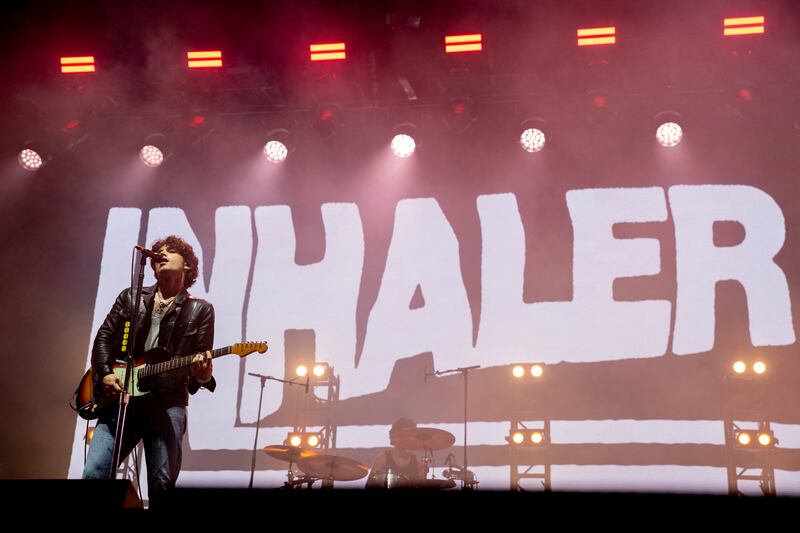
[[465, 372], [124, 397], [264, 379]]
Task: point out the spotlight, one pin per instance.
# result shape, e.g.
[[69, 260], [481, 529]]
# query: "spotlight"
[[742, 370], [534, 370], [744, 438], [527, 437], [301, 371], [303, 439], [403, 144], [669, 131], [30, 159], [460, 114], [151, 155], [320, 370], [532, 139], [276, 149], [755, 439], [155, 150], [599, 105], [327, 120], [669, 134]]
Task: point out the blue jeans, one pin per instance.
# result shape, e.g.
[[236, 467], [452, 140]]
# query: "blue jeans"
[[161, 426]]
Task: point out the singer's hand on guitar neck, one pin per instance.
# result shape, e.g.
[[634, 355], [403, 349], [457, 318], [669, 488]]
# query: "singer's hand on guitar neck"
[[112, 385], [201, 367]]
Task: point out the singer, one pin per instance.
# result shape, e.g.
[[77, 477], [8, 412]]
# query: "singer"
[[169, 318]]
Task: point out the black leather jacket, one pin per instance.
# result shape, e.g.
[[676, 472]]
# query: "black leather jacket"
[[186, 329]]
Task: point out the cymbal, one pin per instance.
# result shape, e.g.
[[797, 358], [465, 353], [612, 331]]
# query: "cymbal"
[[291, 454], [421, 439], [333, 467]]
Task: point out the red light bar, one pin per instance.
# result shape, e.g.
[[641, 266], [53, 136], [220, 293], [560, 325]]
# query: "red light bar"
[[206, 59], [596, 36], [327, 52], [71, 65], [463, 43], [742, 26]]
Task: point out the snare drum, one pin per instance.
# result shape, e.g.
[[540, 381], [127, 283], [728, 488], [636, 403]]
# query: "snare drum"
[[389, 480]]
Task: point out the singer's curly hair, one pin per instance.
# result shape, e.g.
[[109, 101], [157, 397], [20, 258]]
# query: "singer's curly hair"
[[177, 245]]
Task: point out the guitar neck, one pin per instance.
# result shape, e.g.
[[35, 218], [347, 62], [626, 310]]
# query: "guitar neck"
[[178, 362]]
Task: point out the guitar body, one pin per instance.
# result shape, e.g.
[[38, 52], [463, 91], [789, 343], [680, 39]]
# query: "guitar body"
[[89, 397]]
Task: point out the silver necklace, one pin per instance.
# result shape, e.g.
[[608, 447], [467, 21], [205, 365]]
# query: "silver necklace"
[[163, 303]]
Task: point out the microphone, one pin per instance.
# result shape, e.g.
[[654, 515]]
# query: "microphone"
[[307, 380], [158, 257]]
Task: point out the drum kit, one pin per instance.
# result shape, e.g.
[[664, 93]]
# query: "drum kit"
[[308, 466]]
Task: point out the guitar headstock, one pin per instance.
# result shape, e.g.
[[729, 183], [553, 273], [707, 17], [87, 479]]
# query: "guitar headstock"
[[243, 349]]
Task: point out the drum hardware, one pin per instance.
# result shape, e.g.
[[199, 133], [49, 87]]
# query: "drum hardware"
[[292, 455], [263, 380], [465, 372], [454, 471]]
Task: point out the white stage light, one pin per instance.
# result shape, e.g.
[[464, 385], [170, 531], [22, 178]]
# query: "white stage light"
[[403, 145], [669, 134]]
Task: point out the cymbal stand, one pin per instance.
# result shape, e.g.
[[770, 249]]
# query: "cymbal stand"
[[465, 484], [258, 420], [427, 460]]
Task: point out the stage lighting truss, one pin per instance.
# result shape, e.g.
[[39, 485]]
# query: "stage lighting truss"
[[527, 371], [304, 439], [528, 437], [748, 370]]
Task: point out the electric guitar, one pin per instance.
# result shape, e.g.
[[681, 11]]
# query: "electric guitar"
[[89, 400]]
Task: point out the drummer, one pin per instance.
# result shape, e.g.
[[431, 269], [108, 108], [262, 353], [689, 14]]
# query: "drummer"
[[397, 460]]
